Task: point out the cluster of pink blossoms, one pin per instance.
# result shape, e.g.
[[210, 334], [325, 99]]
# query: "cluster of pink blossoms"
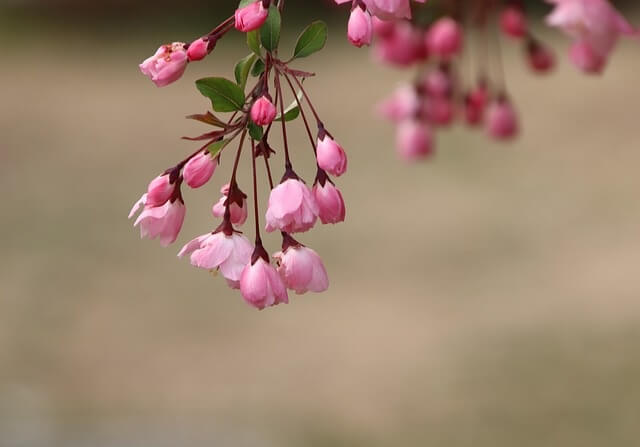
[[293, 206], [440, 94]]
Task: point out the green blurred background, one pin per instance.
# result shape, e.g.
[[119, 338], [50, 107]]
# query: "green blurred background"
[[487, 298]]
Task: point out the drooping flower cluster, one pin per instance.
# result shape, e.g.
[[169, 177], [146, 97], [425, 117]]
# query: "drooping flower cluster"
[[432, 38], [293, 206]]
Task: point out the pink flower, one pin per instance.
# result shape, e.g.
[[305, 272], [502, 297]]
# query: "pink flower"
[[263, 112], [251, 17], [292, 207], [540, 58], [360, 28], [198, 49], [438, 83], [199, 169], [331, 208], [414, 140], [159, 190], [331, 157], [382, 28], [302, 270], [238, 212], [229, 254], [475, 103], [403, 104], [403, 47], [261, 286], [167, 65], [162, 222], [439, 110], [390, 9], [513, 22], [583, 56], [502, 120], [444, 38]]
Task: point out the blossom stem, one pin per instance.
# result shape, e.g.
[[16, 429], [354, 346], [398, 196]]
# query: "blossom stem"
[[313, 110], [304, 117], [284, 125]]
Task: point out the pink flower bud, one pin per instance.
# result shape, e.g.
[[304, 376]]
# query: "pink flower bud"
[[502, 120], [382, 28], [331, 209], [167, 65], [414, 140], [513, 22], [198, 49], [403, 47], [331, 157], [292, 207], [238, 213], [302, 270], [251, 17], [401, 105], [159, 190], [439, 110], [475, 103], [444, 38], [261, 286], [586, 58], [438, 83], [360, 28], [217, 251], [390, 9], [162, 222], [263, 112], [540, 58], [199, 169]]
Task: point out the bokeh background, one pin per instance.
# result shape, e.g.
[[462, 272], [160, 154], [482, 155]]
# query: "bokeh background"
[[490, 297]]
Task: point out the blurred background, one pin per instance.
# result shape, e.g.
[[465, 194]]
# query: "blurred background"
[[486, 298]]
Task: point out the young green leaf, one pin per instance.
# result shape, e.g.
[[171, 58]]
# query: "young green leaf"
[[312, 39], [258, 68], [215, 148], [255, 131], [244, 3], [270, 31], [242, 70], [253, 42], [225, 95], [293, 111]]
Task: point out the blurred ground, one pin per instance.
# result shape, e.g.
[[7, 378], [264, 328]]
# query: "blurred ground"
[[488, 298]]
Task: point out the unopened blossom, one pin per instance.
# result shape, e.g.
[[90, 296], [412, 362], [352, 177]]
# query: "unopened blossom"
[[159, 190], [330, 155], [438, 83], [263, 112], [541, 59], [302, 269], [229, 254], [401, 105], [513, 22], [403, 46], [444, 38], [360, 27], [501, 120], [331, 208], [199, 169], [261, 285], [162, 222], [390, 9], [292, 207], [198, 49], [167, 65], [251, 17], [586, 58], [414, 140], [238, 213]]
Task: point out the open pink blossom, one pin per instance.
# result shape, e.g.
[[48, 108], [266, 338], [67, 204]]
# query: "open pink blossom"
[[502, 120], [360, 27], [414, 140], [330, 155], [302, 270], [159, 190], [198, 171], [263, 112], [163, 222], [218, 251], [390, 9], [238, 213], [331, 208], [292, 207], [167, 65], [251, 17], [261, 286]]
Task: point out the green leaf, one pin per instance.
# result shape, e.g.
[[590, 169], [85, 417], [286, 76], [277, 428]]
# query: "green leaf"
[[253, 42], [244, 3], [258, 68], [270, 31], [312, 39], [255, 131], [215, 148], [242, 70], [225, 95], [292, 112]]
